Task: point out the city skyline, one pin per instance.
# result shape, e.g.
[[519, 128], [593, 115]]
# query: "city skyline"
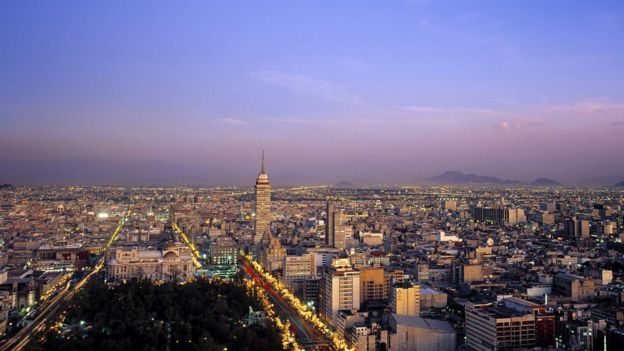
[[386, 93]]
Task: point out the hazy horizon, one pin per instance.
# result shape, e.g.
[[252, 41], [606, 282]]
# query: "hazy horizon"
[[371, 92]]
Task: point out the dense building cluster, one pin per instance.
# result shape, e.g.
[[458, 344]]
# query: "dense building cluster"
[[409, 268]]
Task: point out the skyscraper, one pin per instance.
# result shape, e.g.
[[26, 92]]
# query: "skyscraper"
[[263, 205], [329, 223], [336, 229]]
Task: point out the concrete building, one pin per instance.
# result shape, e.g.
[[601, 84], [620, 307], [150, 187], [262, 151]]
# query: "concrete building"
[[374, 283], [405, 299], [296, 269], [512, 323], [340, 290], [224, 257], [449, 205], [576, 228], [421, 334], [574, 286], [174, 262], [271, 253], [431, 298], [224, 251], [507, 216], [371, 239], [362, 337]]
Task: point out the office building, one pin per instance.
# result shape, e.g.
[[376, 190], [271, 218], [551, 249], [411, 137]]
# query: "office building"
[[295, 271], [340, 290], [511, 323], [405, 299], [374, 283]]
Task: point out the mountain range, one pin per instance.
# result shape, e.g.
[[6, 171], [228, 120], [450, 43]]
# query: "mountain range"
[[458, 177]]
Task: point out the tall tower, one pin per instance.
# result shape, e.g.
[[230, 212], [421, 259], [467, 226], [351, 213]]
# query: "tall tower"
[[263, 205]]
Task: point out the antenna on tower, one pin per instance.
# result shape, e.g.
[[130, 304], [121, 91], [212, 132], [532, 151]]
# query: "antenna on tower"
[[262, 163]]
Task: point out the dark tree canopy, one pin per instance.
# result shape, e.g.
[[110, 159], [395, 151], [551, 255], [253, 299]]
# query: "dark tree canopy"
[[139, 315]]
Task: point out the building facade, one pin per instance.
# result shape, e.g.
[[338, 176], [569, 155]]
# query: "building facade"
[[174, 262], [263, 205]]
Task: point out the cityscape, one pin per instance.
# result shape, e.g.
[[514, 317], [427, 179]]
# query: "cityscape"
[[356, 176]]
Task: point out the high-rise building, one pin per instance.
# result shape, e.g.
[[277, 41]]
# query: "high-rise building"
[[507, 216], [263, 205], [576, 228], [296, 269], [405, 299], [337, 230], [329, 223], [340, 289], [374, 284]]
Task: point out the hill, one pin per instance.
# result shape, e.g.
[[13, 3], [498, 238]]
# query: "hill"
[[344, 184], [619, 185], [457, 177]]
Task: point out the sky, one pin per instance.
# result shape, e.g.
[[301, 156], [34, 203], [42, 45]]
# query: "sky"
[[368, 91]]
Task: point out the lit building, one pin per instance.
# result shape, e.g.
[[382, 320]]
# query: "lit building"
[[405, 299], [340, 290], [224, 257], [174, 262], [223, 251], [295, 271], [263, 205]]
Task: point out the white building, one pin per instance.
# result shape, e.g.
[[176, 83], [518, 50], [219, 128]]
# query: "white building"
[[174, 262], [442, 236], [340, 290]]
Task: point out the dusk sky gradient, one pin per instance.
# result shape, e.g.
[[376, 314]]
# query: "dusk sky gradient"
[[378, 91]]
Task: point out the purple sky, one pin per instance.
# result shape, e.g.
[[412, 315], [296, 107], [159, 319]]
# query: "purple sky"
[[382, 91]]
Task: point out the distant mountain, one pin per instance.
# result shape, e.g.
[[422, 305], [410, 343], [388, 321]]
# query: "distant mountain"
[[620, 184], [604, 181], [344, 184], [545, 182], [457, 177], [6, 186]]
